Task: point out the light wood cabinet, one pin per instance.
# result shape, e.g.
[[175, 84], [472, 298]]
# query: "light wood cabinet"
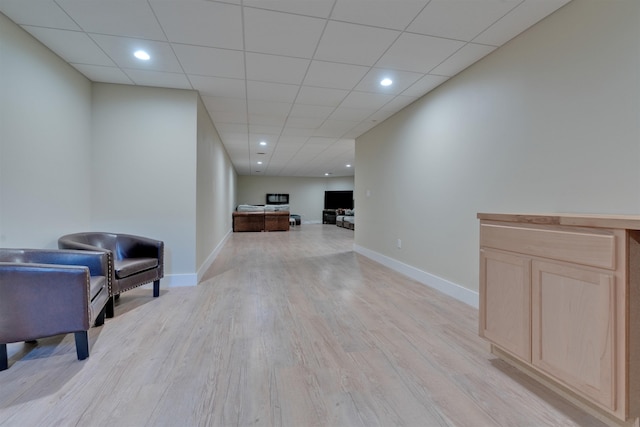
[[558, 296], [506, 301], [573, 319]]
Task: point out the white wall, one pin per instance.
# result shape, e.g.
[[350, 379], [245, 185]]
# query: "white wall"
[[306, 195], [548, 123], [45, 111], [215, 198], [144, 167]]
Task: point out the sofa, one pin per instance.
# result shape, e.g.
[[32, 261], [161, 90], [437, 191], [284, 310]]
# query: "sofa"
[[50, 292], [261, 218], [346, 218], [134, 260]]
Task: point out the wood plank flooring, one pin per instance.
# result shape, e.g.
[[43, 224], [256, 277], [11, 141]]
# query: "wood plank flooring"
[[286, 329]]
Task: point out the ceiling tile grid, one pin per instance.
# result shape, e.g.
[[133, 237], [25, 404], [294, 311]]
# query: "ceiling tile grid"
[[302, 76]]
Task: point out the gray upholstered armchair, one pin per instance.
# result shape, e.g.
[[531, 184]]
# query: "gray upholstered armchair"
[[135, 260], [51, 292]]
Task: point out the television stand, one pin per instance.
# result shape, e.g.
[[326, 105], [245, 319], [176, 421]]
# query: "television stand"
[[328, 216]]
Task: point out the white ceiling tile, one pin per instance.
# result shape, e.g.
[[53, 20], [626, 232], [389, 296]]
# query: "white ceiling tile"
[[399, 102], [293, 131], [287, 143], [414, 52], [281, 33], [271, 91], [463, 58], [264, 133], [525, 15], [351, 114], [321, 96], [304, 123], [272, 120], [282, 61], [218, 103], [218, 86], [316, 8], [278, 69], [424, 85], [124, 18], [229, 129], [199, 22], [236, 141], [158, 78], [365, 100], [239, 117], [401, 81], [41, 13], [335, 128], [354, 44], [209, 61], [120, 50], [72, 46], [97, 73], [461, 19], [257, 106], [334, 75], [311, 111], [378, 13], [321, 141]]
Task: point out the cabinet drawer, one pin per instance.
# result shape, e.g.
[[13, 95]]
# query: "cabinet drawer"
[[579, 246]]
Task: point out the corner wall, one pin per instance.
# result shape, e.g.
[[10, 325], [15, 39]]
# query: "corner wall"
[[45, 116], [547, 123], [144, 168], [215, 194]]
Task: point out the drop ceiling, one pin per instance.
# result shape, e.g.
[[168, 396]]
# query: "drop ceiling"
[[301, 75]]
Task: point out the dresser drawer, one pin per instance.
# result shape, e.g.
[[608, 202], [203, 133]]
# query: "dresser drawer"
[[585, 247]]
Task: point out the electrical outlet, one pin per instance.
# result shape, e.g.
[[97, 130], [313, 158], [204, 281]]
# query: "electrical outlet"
[[399, 244]]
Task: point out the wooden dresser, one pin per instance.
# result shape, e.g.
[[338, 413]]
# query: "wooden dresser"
[[559, 298]]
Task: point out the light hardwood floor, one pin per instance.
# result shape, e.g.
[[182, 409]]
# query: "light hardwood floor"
[[286, 329]]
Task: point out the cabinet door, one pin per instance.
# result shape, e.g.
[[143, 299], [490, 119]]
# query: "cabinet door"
[[505, 301], [573, 315]]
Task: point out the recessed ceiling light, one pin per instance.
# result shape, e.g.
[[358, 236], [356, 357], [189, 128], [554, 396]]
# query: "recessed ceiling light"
[[259, 163], [263, 143], [327, 174], [348, 166], [386, 82], [141, 54]]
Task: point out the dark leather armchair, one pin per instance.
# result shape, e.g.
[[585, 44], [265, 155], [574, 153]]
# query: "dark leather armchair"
[[51, 292], [134, 260]]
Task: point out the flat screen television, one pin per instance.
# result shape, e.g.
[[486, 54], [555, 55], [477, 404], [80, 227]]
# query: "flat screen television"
[[277, 199], [338, 199]]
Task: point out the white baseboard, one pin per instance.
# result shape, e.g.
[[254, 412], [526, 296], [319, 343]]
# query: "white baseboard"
[[212, 257], [454, 290], [190, 279]]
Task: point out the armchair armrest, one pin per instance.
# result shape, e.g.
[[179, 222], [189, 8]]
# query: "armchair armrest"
[[38, 300], [97, 262]]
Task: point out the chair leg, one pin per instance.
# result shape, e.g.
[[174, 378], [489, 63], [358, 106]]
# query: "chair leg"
[[100, 318], [156, 288], [110, 308], [82, 344], [4, 360]]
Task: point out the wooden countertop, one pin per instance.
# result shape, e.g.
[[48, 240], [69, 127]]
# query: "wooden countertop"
[[628, 222]]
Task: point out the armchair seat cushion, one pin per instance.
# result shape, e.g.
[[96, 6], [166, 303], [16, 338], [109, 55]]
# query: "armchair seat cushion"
[[128, 267]]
